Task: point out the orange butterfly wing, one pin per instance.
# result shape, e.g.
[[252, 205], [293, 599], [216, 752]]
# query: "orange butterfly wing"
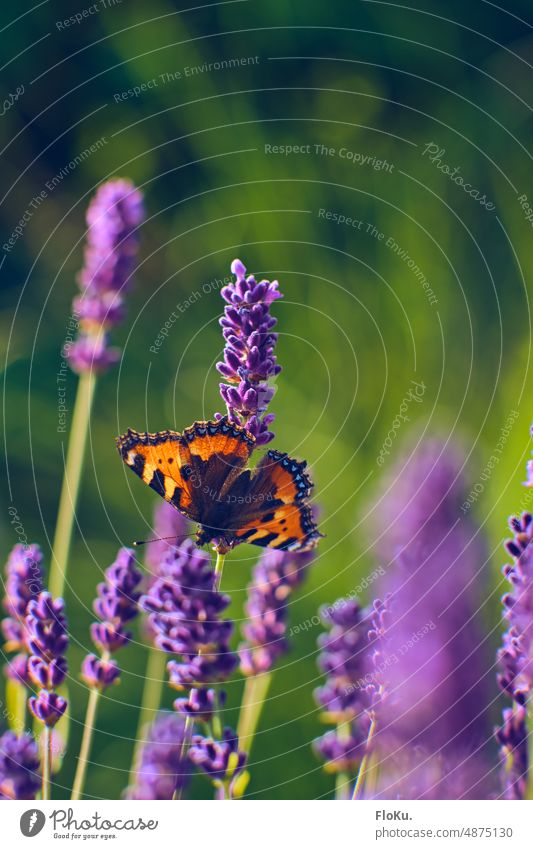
[[159, 460], [271, 509], [188, 470]]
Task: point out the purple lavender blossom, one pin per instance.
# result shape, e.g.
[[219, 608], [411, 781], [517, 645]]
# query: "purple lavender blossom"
[[24, 581], [433, 555], [99, 672], [340, 753], [47, 641], [160, 769], [275, 576], [346, 660], [516, 657], [116, 605], [48, 707], [113, 218], [19, 766], [184, 607], [249, 360], [419, 774], [512, 737], [220, 759], [201, 704]]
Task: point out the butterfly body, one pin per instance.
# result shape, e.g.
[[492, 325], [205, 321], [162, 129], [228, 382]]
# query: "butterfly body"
[[203, 473]]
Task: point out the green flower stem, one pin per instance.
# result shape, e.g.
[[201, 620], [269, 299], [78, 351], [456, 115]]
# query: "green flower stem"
[[189, 721], [253, 699], [71, 482], [363, 769], [47, 763], [151, 700], [16, 701], [342, 784], [186, 742], [219, 568], [87, 738]]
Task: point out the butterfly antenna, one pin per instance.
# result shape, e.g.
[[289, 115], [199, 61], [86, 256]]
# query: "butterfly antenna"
[[139, 542]]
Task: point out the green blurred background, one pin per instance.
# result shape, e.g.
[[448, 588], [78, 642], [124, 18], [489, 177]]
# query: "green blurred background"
[[356, 325]]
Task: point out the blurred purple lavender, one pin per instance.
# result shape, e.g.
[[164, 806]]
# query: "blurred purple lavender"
[[512, 737], [160, 769], [437, 662], [184, 607], [249, 360], [24, 581], [19, 767], [346, 660], [113, 218], [275, 576], [168, 522], [115, 606], [515, 658], [47, 642]]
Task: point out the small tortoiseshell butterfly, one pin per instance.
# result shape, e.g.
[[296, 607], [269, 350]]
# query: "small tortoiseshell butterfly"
[[202, 473]]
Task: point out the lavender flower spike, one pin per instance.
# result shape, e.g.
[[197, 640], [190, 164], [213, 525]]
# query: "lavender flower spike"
[[116, 605], [516, 657], [345, 658], [275, 577], [113, 219], [24, 581], [184, 608], [160, 769], [47, 641], [512, 737], [19, 766], [249, 360], [220, 760]]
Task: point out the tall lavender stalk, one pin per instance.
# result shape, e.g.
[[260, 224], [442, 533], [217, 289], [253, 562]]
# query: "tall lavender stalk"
[[249, 367], [345, 660], [275, 577], [115, 606], [433, 556], [113, 218], [47, 642]]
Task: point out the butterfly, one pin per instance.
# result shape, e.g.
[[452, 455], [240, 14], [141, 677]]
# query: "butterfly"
[[203, 473]]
